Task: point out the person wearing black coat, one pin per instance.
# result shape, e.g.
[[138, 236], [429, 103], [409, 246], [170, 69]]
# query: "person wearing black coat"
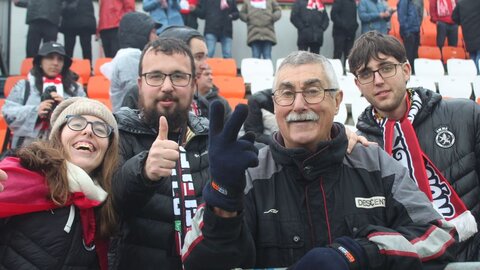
[[311, 20], [78, 19], [344, 18], [466, 14]]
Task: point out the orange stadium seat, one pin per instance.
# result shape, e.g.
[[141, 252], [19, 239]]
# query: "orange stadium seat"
[[82, 68], [26, 66], [98, 87], [233, 102], [10, 82], [98, 63], [430, 52], [223, 66], [452, 52], [230, 87]]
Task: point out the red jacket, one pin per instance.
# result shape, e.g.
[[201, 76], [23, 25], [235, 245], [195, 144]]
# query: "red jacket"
[[435, 16], [111, 11]]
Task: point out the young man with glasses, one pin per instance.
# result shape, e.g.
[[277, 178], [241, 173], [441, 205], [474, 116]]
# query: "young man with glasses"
[[303, 203], [437, 139], [164, 163]]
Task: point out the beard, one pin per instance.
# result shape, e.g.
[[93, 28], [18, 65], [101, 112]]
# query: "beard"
[[176, 117]]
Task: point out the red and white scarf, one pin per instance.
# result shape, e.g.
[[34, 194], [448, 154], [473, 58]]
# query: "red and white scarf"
[[57, 82], [315, 4], [401, 143]]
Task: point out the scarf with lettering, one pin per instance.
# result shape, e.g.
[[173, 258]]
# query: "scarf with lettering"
[[315, 4], [402, 144], [184, 199], [27, 192]]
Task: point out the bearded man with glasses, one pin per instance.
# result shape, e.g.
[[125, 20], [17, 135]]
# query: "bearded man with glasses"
[[436, 139], [304, 203]]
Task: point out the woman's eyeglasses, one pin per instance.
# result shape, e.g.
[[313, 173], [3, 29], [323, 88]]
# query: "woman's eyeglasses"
[[79, 123]]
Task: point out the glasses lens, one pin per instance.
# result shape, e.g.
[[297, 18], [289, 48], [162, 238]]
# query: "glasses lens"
[[365, 76], [77, 123], [388, 71], [101, 129], [313, 95], [180, 79], [155, 78], [284, 97]]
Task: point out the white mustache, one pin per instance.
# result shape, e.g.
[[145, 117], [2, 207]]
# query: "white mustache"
[[307, 116]]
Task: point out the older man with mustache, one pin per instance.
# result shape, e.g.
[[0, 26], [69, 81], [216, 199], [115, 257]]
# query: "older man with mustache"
[[302, 202]]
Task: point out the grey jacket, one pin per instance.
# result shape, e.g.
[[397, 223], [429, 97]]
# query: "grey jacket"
[[260, 22], [49, 10]]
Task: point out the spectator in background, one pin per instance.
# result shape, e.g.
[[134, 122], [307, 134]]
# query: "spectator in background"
[[110, 14], [218, 16], [189, 13], [441, 14], [375, 15], [78, 19], [260, 16], [467, 14], [410, 22], [261, 118], [28, 107], [43, 18], [56, 211], [344, 18], [311, 20], [209, 92], [136, 29], [165, 12]]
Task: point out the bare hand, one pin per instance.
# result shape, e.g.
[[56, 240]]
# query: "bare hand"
[[354, 138], [56, 97], [3, 177], [163, 154], [45, 107]]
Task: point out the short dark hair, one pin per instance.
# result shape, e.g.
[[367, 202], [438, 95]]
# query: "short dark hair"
[[369, 45], [168, 46]]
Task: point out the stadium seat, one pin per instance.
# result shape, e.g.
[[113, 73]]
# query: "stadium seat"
[[349, 88], [253, 67], [261, 83], [429, 52], [98, 87], [358, 107], [428, 67], [342, 114], [230, 87], [98, 63], [461, 67], [223, 66], [26, 66], [452, 52], [82, 68], [278, 63], [454, 87], [10, 82], [3, 133], [337, 66], [422, 81]]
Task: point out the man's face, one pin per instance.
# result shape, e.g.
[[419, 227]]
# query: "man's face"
[[199, 52], [386, 94], [169, 100], [205, 82], [300, 132]]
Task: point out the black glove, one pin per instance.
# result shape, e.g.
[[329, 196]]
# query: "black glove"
[[229, 157], [343, 254]]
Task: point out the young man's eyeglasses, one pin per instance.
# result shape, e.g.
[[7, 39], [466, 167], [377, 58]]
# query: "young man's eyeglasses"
[[312, 95], [79, 123], [157, 78], [366, 76]]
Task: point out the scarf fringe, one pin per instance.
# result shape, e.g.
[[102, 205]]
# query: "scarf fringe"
[[465, 225]]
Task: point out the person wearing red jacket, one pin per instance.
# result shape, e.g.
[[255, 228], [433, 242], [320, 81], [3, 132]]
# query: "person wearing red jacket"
[[441, 14], [110, 13]]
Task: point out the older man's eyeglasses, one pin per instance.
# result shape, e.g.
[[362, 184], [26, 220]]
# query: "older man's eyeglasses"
[[79, 123], [386, 71], [157, 78], [312, 95]]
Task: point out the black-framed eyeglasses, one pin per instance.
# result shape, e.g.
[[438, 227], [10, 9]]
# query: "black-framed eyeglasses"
[[385, 71], [312, 95], [79, 123], [157, 78]]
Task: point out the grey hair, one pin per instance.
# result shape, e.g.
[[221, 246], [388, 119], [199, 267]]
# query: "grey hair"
[[299, 58]]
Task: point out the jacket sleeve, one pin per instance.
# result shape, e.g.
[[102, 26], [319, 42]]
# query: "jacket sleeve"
[[128, 5], [335, 14], [325, 20], [244, 11], [456, 15], [234, 14], [402, 9], [21, 119], [295, 16], [414, 233], [277, 11], [433, 11], [218, 243], [149, 5], [365, 14], [201, 9]]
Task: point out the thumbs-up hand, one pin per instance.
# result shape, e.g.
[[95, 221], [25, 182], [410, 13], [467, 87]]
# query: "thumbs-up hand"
[[163, 154], [228, 157]]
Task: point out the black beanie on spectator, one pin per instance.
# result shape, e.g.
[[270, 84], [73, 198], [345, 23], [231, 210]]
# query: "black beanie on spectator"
[[134, 30]]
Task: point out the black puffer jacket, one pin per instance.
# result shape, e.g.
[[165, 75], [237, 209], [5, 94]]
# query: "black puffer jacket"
[[310, 23], [49, 10], [78, 17], [218, 22], [38, 241], [146, 207], [458, 162], [466, 14], [344, 18]]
